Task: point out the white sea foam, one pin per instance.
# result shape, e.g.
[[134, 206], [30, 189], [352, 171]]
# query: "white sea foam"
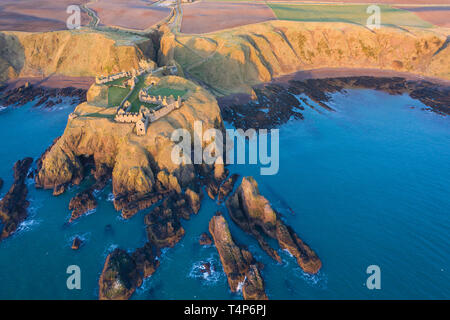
[[110, 197], [198, 271]]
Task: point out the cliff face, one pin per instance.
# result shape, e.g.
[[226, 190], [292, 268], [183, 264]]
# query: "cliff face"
[[140, 164], [71, 53], [234, 60]]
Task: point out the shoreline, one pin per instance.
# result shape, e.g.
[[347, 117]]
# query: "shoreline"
[[52, 82], [324, 73]]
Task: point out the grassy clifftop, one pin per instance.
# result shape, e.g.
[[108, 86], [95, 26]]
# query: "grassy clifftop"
[[71, 53], [234, 60]]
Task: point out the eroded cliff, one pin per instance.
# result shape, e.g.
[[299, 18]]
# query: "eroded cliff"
[[234, 60], [71, 53]]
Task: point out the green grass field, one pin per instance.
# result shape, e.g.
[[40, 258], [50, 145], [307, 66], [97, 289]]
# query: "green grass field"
[[345, 13], [167, 92], [136, 106], [134, 97], [116, 95], [117, 82]]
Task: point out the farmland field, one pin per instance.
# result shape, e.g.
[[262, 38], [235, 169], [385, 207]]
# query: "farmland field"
[[36, 15], [133, 14], [345, 13], [204, 17]]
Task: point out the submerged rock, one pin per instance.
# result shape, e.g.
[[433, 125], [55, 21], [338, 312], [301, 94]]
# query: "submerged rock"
[[76, 243], [13, 206], [1, 183], [253, 214], [205, 240], [238, 263]]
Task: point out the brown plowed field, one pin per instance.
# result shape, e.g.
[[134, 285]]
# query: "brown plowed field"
[[204, 17], [130, 14], [36, 15], [439, 16]]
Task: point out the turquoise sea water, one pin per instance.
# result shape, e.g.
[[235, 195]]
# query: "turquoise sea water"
[[368, 185]]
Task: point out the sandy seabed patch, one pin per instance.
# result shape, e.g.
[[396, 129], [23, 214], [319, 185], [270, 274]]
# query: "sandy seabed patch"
[[204, 17], [131, 14]]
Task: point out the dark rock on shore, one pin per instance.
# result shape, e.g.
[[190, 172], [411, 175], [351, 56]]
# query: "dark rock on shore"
[[253, 214], [81, 204], [276, 103], [13, 206], [46, 97], [238, 263]]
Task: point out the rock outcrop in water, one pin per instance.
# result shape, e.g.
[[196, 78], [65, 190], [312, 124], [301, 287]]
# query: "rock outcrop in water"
[[13, 206], [253, 214], [238, 263], [82, 203], [124, 272]]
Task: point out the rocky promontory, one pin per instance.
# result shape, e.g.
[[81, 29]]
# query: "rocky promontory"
[[238, 263], [253, 214], [13, 206], [142, 168]]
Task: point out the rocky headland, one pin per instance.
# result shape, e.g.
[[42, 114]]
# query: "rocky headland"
[[141, 166]]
